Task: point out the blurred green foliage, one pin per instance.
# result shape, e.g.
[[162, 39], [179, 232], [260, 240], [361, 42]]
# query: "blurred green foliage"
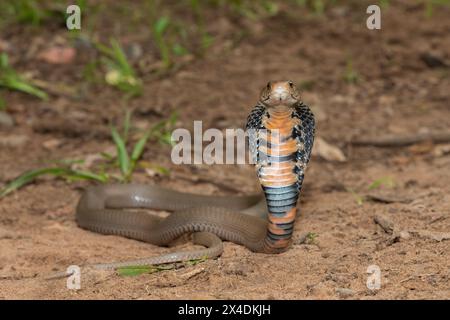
[[119, 73], [430, 6], [10, 79], [26, 11], [177, 31], [350, 76], [125, 162]]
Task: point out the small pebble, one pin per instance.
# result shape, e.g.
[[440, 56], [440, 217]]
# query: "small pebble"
[[404, 235], [344, 292], [58, 55]]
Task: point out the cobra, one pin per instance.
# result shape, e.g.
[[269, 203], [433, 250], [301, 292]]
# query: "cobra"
[[281, 145]]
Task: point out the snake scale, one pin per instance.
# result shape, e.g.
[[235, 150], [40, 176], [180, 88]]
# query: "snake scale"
[[280, 143]]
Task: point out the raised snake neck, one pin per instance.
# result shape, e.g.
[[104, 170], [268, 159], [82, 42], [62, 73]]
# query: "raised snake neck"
[[281, 146]]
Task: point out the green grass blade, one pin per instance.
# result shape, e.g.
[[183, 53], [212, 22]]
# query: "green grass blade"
[[29, 176], [131, 271], [139, 146], [20, 85], [173, 119], [358, 198], [124, 161], [107, 156], [193, 262], [384, 181], [161, 25], [120, 73], [86, 175], [104, 49], [159, 28], [11, 80], [121, 58]]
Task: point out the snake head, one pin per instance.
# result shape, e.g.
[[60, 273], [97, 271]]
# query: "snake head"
[[277, 93]]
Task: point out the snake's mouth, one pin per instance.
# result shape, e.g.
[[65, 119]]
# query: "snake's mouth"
[[281, 99]]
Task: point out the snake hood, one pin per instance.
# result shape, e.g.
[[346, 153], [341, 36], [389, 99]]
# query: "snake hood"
[[279, 93], [280, 142]]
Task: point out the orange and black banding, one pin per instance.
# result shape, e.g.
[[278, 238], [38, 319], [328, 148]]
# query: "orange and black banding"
[[281, 147], [277, 154]]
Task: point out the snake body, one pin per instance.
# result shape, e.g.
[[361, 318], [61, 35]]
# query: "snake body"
[[281, 142]]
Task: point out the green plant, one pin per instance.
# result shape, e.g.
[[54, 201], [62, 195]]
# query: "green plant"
[[166, 33], [384, 3], [162, 131], [11, 80], [27, 11], [350, 74], [34, 12], [194, 262], [91, 72], [384, 181], [176, 37], [120, 73], [311, 237], [206, 38], [132, 271], [317, 6], [358, 198], [252, 9], [125, 162], [59, 172], [431, 4], [159, 30]]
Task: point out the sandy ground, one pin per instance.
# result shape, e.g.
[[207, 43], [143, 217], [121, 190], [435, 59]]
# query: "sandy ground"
[[397, 93]]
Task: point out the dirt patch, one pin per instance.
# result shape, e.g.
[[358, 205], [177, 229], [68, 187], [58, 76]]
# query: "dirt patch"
[[399, 90]]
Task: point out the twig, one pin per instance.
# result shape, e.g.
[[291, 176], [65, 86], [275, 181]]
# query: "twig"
[[387, 198], [437, 219], [401, 141]]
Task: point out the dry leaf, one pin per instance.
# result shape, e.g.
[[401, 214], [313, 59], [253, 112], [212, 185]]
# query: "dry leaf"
[[327, 151]]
